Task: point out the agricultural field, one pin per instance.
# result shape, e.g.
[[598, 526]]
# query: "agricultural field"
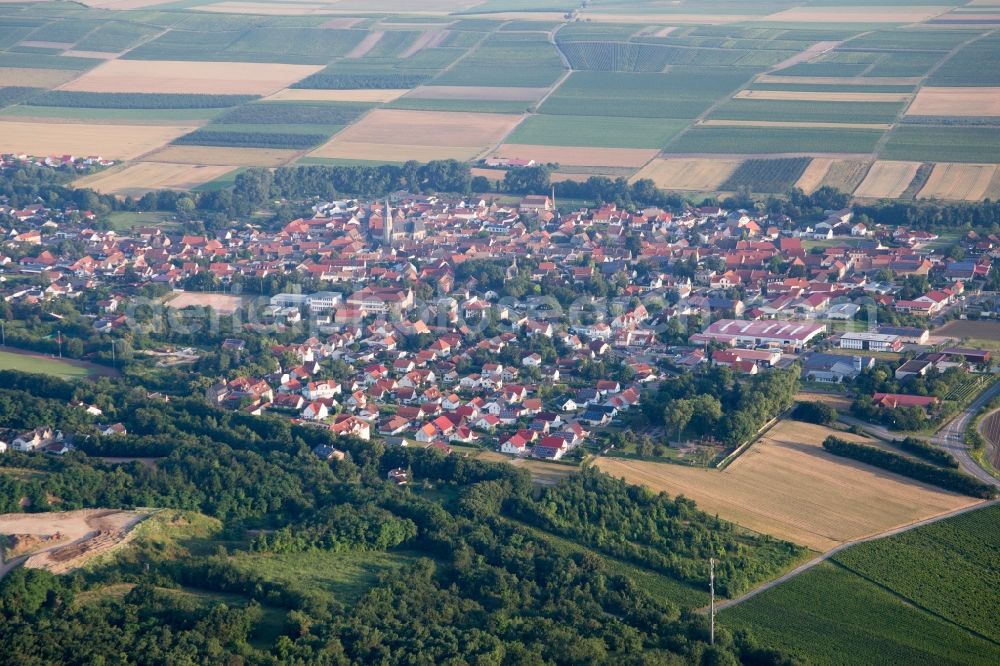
[[596, 132], [962, 182], [760, 175], [579, 156], [786, 485], [141, 177], [111, 141], [831, 616], [689, 174], [385, 133], [943, 144], [983, 334], [811, 141], [887, 179], [771, 80], [221, 303]]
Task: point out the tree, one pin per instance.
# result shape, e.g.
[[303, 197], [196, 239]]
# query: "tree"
[[678, 414]]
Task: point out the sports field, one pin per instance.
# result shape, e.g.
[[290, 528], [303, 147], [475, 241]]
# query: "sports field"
[[786, 485], [42, 364]]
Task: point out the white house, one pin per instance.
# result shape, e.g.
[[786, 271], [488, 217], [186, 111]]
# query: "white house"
[[315, 411]]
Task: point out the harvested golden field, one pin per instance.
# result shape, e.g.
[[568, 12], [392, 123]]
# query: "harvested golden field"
[[813, 96], [426, 7], [173, 76], [499, 93], [887, 179], [792, 123], [835, 400], [857, 14], [814, 174], [410, 134], [141, 177], [689, 173], [121, 4], [956, 102], [221, 156], [786, 485], [578, 156], [36, 78], [360, 95], [115, 142], [960, 182]]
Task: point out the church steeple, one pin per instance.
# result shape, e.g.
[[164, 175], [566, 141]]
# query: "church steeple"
[[387, 225]]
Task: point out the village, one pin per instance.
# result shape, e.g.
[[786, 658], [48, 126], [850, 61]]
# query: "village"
[[476, 323]]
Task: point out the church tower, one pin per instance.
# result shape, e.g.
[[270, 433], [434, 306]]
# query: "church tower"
[[387, 225]]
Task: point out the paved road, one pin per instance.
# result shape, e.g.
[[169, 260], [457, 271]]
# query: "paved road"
[[952, 437], [830, 553]]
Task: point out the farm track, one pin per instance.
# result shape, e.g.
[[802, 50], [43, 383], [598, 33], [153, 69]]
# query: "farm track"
[[830, 553]]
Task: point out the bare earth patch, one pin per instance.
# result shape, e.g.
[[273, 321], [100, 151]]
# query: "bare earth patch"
[[359, 95], [812, 96], [116, 142], [786, 485], [221, 156], [578, 156], [887, 179], [979, 330], [173, 76], [95, 55], [66, 540], [36, 78], [412, 133], [221, 303], [689, 173], [142, 177], [497, 94], [956, 102]]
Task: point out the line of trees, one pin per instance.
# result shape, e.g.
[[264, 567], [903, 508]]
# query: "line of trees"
[[922, 449], [949, 479]]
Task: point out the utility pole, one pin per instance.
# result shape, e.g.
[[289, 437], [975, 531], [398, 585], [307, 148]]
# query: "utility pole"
[[59, 341], [711, 591]]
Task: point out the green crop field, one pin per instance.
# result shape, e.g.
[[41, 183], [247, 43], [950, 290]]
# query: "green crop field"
[[766, 175], [473, 105], [27, 362], [740, 140], [950, 568], [831, 616], [807, 111], [682, 92], [904, 64], [943, 144], [597, 132], [977, 64], [115, 36]]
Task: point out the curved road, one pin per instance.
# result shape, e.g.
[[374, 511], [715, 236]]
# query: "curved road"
[[952, 437], [847, 544]]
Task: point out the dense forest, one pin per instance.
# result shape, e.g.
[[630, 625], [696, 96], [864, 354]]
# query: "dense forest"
[[484, 587]]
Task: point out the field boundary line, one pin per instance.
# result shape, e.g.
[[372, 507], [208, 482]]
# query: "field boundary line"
[[847, 544], [912, 602]]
